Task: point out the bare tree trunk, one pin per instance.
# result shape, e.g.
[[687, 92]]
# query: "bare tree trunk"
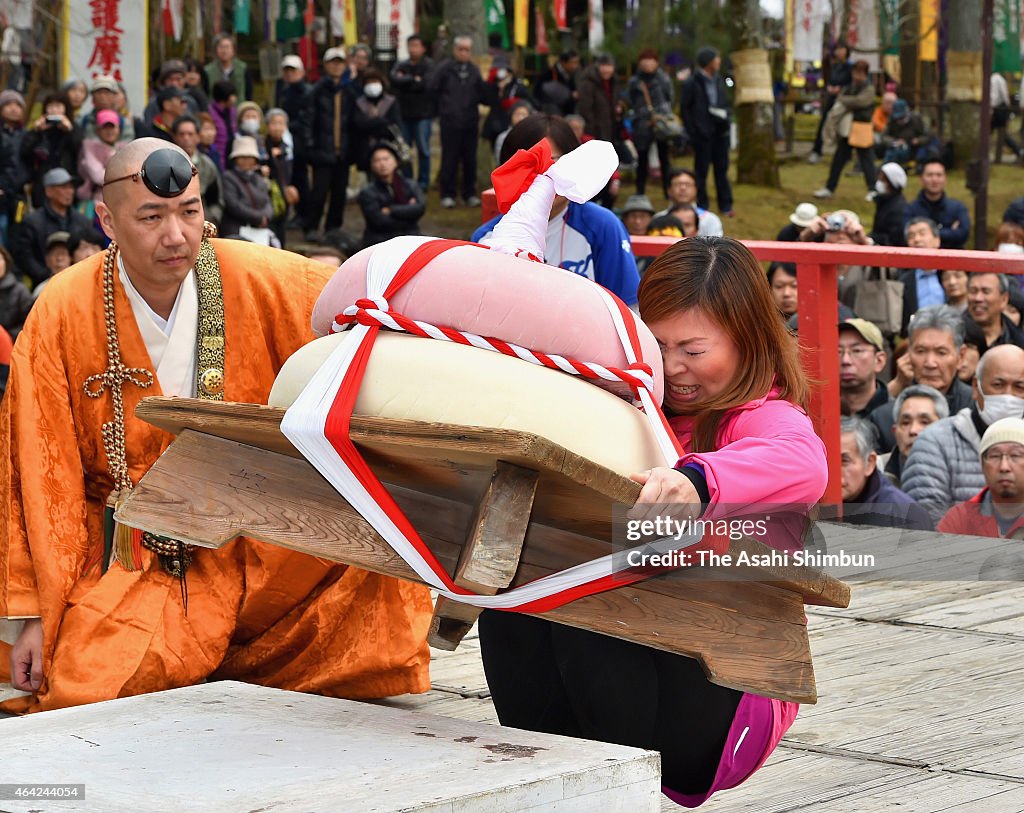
[[466, 18], [964, 72], [755, 163]]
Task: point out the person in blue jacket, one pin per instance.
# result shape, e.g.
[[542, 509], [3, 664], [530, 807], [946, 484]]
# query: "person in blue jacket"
[[584, 238], [932, 202]]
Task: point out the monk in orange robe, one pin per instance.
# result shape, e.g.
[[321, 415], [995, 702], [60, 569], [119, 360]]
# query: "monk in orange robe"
[[255, 612]]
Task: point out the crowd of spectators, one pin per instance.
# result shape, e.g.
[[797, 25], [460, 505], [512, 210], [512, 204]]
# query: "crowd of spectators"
[[927, 368]]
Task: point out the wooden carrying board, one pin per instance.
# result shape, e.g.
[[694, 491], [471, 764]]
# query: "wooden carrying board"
[[232, 473]]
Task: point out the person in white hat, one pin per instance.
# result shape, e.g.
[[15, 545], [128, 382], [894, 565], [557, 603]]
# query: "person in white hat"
[[998, 509], [802, 217], [890, 204], [327, 146], [247, 205]]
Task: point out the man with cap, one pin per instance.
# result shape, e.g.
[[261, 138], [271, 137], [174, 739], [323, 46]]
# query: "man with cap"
[[943, 467], [28, 238], [409, 80], [998, 509], [104, 614], [861, 358], [800, 219], [704, 107], [905, 134], [637, 215], [682, 192], [889, 205], [58, 258], [104, 97], [326, 128], [12, 172], [292, 97], [172, 75], [170, 102]]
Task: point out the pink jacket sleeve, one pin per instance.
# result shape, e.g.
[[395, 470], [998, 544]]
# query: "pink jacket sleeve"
[[768, 455], [91, 168]]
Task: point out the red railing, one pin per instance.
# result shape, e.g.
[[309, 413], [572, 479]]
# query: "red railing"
[[818, 316]]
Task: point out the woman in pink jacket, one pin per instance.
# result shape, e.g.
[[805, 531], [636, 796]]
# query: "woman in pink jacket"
[[734, 395], [96, 154]]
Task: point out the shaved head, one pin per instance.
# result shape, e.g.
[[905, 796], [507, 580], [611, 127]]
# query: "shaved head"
[[127, 161]]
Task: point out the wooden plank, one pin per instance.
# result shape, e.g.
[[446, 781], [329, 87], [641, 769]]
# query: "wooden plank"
[[207, 491], [491, 554], [455, 462]]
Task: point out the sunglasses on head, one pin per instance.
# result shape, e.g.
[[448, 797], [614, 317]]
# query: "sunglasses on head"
[[166, 173]]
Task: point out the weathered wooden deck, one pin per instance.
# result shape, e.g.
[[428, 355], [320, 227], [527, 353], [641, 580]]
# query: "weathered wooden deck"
[[920, 709], [921, 706]]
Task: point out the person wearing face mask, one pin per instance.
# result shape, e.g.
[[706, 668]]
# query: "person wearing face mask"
[[249, 122], [887, 229], [1010, 238], [944, 466], [377, 117], [504, 91]]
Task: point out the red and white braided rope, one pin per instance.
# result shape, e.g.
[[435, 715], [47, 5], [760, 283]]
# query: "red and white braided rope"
[[375, 312]]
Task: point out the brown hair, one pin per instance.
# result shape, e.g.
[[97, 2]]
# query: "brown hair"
[[720, 276], [9, 267], [1009, 232]]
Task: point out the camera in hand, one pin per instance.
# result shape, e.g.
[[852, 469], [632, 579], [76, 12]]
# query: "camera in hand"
[[54, 121], [835, 222]]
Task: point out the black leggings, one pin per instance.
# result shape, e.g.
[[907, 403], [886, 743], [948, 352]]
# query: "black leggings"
[[560, 680]]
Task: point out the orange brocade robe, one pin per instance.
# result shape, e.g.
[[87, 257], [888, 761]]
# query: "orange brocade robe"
[[256, 612]]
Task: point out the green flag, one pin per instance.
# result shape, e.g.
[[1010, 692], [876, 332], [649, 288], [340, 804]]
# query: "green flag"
[[289, 24], [242, 16], [1006, 36], [495, 13], [889, 26]]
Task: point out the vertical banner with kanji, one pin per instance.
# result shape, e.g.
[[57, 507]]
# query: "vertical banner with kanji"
[[1006, 36], [522, 27], [494, 16], [863, 31], [808, 23], [596, 30], [108, 38]]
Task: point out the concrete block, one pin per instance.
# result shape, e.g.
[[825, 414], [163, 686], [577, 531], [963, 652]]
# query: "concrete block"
[[227, 747]]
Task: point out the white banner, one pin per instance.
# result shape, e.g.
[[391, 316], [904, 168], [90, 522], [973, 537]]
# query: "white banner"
[[17, 12], [337, 17], [809, 18], [109, 38], [863, 31], [596, 33], [406, 25]]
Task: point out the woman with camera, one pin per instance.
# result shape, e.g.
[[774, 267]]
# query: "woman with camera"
[[52, 141]]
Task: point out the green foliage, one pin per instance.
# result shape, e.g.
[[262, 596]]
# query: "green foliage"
[[683, 28]]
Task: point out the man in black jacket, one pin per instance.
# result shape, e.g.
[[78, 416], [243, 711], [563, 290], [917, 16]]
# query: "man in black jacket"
[[29, 237], [326, 131], [409, 80], [459, 89], [706, 114], [292, 97]]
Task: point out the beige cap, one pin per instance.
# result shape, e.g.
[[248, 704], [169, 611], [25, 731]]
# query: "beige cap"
[[1005, 430], [292, 61], [868, 331], [244, 147], [334, 53]]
